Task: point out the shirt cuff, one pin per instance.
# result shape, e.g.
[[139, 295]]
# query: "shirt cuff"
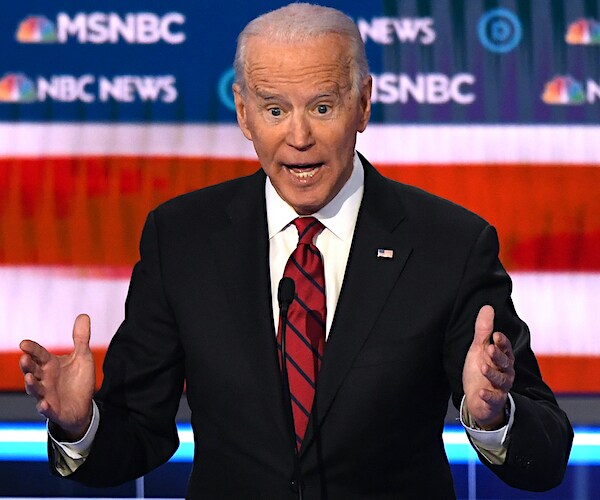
[[491, 444], [79, 449]]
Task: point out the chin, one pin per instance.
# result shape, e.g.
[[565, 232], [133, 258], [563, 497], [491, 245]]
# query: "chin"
[[303, 209], [306, 208]]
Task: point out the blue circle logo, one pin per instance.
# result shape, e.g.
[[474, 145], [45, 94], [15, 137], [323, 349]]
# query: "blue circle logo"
[[499, 30], [224, 89]]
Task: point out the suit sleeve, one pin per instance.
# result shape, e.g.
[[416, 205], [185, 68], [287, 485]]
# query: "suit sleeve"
[[540, 439], [143, 381]]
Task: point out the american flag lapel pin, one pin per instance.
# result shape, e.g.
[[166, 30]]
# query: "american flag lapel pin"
[[385, 253]]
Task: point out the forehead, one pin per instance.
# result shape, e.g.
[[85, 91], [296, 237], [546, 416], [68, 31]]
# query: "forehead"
[[323, 61]]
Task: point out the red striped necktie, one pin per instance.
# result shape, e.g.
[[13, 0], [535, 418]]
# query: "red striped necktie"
[[306, 322]]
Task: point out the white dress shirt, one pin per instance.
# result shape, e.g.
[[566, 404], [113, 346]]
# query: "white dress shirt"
[[339, 218]]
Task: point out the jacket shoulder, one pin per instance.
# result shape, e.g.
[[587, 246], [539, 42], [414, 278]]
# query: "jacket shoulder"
[[212, 201], [420, 207], [421, 203]]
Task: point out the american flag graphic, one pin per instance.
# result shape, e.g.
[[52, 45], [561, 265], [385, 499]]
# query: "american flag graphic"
[[511, 135], [73, 199], [385, 253]]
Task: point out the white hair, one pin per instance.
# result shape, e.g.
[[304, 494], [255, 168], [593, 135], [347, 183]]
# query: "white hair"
[[298, 22]]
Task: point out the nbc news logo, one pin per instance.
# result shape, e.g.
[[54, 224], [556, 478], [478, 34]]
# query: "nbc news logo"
[[565, 90], [16, 87], [583, 32]]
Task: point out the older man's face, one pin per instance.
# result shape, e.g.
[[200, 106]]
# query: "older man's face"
[[302, 116]]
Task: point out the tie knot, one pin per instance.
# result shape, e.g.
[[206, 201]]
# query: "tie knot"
[[308, 228]]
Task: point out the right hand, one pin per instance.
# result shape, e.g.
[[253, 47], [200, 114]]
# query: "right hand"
[[62, 385]]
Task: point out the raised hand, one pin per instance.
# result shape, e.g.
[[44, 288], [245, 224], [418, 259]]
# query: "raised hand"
[[488, 373], [62, 385]]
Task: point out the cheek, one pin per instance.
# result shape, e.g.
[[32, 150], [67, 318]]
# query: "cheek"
[[267, 155], [266, 140], [340, 135], [262, 145]]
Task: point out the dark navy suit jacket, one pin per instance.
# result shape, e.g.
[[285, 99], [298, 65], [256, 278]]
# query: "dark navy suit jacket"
[[199, 311]]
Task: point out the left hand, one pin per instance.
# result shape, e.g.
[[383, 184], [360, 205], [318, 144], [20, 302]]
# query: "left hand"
[[488, 373]]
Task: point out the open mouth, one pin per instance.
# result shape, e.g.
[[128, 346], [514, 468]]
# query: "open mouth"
[[305, 170]]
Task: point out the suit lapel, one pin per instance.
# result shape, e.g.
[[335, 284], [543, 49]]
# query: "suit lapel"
[[367, 283], [242, 253]]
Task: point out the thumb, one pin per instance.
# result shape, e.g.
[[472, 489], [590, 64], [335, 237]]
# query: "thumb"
[[484, 325], [81, 334]]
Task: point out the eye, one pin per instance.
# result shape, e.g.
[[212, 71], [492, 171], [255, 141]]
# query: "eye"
[[275, 111], [322, 109]]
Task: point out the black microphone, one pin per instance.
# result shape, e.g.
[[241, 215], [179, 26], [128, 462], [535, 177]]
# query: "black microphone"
[[285, 296]]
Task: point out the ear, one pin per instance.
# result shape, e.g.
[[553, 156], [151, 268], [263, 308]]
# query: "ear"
[[240, 110], [365, 103]]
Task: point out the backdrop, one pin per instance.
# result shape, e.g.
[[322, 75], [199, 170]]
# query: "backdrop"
[[108, 108]]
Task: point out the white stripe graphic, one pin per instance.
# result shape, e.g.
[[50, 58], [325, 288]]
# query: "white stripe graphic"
[[396, 144], [41, 303]]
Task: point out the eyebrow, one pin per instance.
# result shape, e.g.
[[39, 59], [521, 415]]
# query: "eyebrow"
[[267, 96], [333, 93]]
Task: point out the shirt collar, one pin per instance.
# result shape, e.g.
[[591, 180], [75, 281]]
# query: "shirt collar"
[[339, 215]]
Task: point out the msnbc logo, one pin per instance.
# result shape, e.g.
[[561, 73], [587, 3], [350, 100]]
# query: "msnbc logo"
[[36, 29], [563, 90], [583, 32], [16, 87], [101, 27]]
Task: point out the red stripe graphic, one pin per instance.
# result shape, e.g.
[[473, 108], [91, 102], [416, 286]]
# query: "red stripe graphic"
[[548, 217], [90, 210]]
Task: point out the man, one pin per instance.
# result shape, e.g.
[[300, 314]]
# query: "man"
[[416, 301]]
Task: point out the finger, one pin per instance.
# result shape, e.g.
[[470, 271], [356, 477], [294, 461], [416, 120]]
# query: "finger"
[[81, 334], [500, 351], [498, 358], [498, 379], [28, 365], [36, 390], [495, 399], [38, 353], [504, 344], [33, 387], [44, 409], [484, 325]]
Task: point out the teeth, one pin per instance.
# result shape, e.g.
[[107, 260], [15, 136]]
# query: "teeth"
[[304, 174]]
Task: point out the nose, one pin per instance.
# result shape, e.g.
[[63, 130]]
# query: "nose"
[[299, 134]]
